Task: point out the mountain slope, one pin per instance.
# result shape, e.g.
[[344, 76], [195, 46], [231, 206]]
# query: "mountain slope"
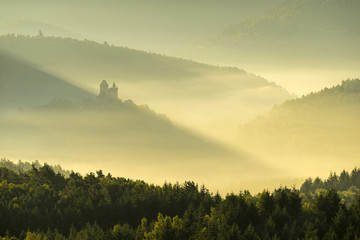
[[197, 90], [297, 32], [30, 27], [24, 85], [130, 140], [320, 130], [159, 26]]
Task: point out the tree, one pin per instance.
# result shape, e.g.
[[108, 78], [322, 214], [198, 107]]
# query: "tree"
[[329, 204], [166, 228], [91, 232], [250, 234], [123, 232]]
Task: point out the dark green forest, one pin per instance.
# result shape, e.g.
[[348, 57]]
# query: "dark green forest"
[[42, 204]]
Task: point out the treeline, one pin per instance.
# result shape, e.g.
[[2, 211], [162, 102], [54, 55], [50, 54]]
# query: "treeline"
[[144, 57], [346, 184], [21, 166], [342, 182], [345, 95], [42, 204]]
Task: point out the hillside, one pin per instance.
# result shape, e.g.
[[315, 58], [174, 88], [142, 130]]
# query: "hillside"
[[316, 129], [128, 139], [159, 26], [297, 32], [82, 59], [186, 91], [23, 85], [31, 27], [302, 45]]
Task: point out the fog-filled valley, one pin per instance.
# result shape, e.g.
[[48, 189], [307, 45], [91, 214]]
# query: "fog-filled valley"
[[121, 137], [204, 106], [188, 92], [318, 130]]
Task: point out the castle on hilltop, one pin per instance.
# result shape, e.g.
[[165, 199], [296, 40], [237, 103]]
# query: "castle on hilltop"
[[107, 93]]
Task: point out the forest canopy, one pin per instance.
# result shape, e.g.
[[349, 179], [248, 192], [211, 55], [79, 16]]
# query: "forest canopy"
[[42, 204]]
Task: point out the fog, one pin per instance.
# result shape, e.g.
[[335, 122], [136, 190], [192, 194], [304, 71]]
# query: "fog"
[[315, 134], [203, 88], [189, 93], [302, 82], [125, 140]]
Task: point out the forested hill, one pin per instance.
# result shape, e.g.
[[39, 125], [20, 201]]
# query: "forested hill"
[[85, 58], [123, 137], [347, 184], [303, 33], [186, 91], [22, 167], [159, 26], [344, 97], [31, 27], [40, 204], [24, 85], [344, 181], [323, 125]]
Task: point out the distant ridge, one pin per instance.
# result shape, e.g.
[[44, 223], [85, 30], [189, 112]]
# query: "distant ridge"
[[24, 85], [33, 28], [122, 136], [304, 33], [186, 91], [318, 128]]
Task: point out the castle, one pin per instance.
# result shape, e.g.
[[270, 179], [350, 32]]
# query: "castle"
[[107, 93]]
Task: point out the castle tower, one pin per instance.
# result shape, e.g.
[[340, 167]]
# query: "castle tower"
[[114, 91], [104, 89]]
